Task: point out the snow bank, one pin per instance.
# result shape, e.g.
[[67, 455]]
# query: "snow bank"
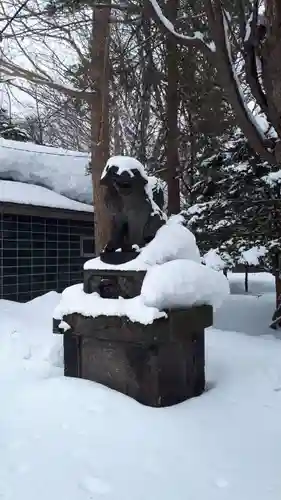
[[172, 241], [75, 300], [29, 194], [26, 338], [183, 283]]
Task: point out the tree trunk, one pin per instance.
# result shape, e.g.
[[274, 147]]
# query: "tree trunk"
[[116, 133], [99, 118], [229, 82], [271, 63], [276, 272], [172, 100]]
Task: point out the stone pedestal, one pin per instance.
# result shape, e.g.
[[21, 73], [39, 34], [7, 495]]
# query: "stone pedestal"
[[158, 365], [112, 283]]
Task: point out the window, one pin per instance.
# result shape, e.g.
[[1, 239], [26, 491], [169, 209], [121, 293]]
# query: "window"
[[87, 246]]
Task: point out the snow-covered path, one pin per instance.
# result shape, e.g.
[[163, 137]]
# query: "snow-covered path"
[[72, 439]]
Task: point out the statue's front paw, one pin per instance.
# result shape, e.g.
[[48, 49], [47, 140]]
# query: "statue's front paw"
[[109, 247]]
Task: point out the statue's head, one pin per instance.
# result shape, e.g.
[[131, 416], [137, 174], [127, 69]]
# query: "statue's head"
[[124, 182]]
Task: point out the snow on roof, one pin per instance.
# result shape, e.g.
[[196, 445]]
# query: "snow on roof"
[[57, 169], [29, 194]]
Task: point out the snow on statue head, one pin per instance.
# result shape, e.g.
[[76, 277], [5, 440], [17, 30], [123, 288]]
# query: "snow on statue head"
[[135, 217]]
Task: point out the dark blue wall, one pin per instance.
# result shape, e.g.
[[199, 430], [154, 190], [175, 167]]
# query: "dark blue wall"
[[39, 254]]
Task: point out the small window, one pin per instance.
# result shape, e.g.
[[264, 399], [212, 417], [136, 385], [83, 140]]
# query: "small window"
[[87, 246]]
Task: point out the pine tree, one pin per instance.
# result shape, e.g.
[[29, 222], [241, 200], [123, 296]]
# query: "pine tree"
[[9, 130], [237, 207]]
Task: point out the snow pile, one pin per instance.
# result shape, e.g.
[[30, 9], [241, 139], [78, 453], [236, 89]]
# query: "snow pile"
[[26, 337], [29, 194], [75, 300], [172, 241], [70, 438], [183, 283]]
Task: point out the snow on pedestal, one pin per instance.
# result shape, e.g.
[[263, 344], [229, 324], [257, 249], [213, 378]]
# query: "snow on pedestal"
[[75, 300], [183, 283], [172, 241]]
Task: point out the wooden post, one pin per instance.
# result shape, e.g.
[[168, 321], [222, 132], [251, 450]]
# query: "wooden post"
[[246, 279], [277, 272]]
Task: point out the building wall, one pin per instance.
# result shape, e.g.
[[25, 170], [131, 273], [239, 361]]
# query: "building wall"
[[39, 254]]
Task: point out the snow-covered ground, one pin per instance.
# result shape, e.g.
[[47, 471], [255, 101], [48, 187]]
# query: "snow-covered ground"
[[250, 313], [73, 439]]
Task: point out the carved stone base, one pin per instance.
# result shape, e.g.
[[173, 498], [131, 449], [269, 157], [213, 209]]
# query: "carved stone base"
[[113, 284], [158, 365]]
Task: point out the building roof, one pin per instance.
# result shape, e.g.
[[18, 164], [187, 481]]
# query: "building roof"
[[59, 170], [38, 196]]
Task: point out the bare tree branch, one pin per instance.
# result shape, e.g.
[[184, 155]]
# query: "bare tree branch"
[[13, 71]]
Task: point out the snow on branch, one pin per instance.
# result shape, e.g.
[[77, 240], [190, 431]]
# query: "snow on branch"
[[248, 28], [196, 37], [250, 115]]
